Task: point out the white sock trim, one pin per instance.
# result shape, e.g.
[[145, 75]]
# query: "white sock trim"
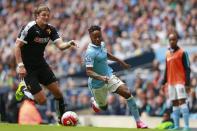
[[29, 95]]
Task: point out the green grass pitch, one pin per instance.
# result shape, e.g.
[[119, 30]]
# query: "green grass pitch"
[[15, 127]]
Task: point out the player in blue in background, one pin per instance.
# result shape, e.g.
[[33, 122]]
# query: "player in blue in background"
[[101, 78]]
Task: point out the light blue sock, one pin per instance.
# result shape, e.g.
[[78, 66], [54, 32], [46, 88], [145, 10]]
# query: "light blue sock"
[[133, 108], [176, 116], [185, 113]]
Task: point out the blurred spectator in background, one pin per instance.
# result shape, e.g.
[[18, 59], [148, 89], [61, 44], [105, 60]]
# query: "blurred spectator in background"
[[167, 122], [113, 105], [193, 98], [141, 100]]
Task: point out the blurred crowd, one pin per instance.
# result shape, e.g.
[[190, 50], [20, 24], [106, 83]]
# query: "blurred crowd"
[[130, 27]]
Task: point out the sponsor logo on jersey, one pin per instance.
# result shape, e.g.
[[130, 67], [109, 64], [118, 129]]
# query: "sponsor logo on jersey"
[[41, 40]]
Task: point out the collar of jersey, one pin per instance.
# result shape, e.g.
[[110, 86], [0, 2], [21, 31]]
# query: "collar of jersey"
[[93, 45]]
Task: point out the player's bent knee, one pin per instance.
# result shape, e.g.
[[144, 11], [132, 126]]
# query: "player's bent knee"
[[58, 96], [42, 101], [127, 95]]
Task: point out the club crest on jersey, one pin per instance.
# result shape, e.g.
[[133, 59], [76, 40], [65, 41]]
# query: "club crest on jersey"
[[105, 50], [48, 31], [88, 58], [41, 40]]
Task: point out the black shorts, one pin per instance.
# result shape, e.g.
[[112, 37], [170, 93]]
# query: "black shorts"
[[43, 76]]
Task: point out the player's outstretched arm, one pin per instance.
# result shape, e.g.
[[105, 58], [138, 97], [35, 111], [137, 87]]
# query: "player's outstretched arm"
[[65, 45], [113, 58], [17, 50]]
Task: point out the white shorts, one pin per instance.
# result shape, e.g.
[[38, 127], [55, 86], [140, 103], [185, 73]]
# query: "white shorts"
[[100, 94], [177, 92]]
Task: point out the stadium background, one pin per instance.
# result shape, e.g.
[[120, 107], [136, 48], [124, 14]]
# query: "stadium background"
[[131, 29]]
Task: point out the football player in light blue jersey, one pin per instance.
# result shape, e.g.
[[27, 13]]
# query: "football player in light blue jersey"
[[101, 78]]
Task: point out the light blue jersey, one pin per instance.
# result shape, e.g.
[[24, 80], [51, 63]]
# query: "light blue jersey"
[[96, 57]]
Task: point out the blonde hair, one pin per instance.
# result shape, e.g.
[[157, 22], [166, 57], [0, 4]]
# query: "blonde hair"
[[39, 9]]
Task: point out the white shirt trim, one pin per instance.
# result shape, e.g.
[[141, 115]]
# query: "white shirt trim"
[[89, 65], [57, 40], [26, 29], [22, 40]]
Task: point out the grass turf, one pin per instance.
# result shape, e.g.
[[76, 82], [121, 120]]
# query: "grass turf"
[[15, 127]]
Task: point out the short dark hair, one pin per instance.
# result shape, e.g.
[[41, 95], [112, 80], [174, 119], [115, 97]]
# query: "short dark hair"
[[174, 32], [94, 28], [41, 8]]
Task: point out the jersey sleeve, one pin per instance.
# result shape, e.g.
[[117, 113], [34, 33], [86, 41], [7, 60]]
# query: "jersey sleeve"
[[89, 59], [25, 32], [186, 64], [22, 36], [54, 34]]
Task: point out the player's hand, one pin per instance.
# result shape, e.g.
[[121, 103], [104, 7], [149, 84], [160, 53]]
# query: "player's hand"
[[105, 79], [21, 71], [125, 65], [73, 43]]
